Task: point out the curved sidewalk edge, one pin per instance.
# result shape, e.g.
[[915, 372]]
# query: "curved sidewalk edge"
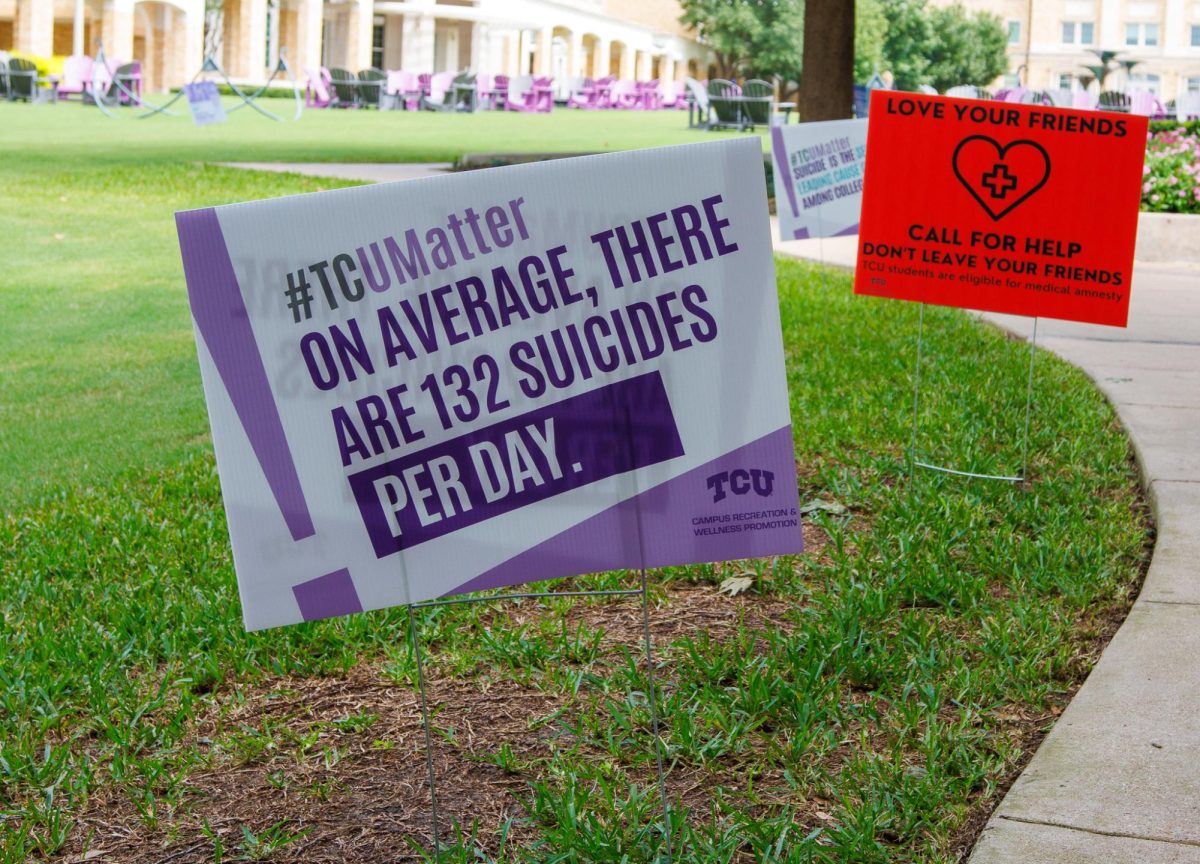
[[1118, 777]]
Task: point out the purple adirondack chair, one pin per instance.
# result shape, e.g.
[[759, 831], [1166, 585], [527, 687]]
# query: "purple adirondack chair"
[[423, 81], [317, 92], [77, 76], [1016, 94]]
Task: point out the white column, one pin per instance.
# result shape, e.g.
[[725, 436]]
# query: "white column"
[[481, 48], [603, 57], [193, 42], [1174, 32], [273, 33], [667, 69], [417, 54], [1110, 24], [118, 38], [306, 53], [627, 58], [77, 33], [358, 35], [35, 27], [575, 56], [512, 54], [541, 57]]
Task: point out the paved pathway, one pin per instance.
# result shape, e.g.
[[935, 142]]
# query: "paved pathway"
[[1118, 778]]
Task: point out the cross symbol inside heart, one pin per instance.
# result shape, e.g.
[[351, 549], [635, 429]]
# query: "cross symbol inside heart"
[[1000, 178]]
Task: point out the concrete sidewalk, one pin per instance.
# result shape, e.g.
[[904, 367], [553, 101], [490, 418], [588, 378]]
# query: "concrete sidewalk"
[[1118, 778]]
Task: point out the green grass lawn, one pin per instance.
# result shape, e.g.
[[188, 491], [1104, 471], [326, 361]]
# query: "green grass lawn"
[[863, 702]]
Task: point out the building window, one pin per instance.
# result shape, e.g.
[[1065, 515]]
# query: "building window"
[[1066, 81], [1011, 80], [1195, 36], [1014, 32], [1151, 83], [1078, 32], [1141, 34], [1193, 85], [377, 42]]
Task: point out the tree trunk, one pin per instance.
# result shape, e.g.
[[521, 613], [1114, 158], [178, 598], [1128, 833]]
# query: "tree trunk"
[[827, 80]]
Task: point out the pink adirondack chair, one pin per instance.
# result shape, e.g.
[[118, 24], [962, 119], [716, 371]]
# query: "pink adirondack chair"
[[624, 94], [1084, 100], [1016, 94], [405, 87], [497, 94], [543, 94], [675, 95], [604, 91], [520, 93], [77, 76], [423, 81], [649, 95], [439, 84], [1187, 107], [317, 90], [1146, 103], [583, 94]]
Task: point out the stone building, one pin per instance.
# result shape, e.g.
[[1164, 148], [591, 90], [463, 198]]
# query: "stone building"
[[565, 38], [1049, 41]]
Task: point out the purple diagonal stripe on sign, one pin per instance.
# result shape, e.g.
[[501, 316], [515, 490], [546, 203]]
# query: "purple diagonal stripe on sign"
[[327, 596], [224, 324], [777, 145], [680, 524]]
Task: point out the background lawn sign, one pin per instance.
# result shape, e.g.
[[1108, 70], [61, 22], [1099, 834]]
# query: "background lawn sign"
[[819, 177], [445, 385], [1001, 207], [204, 99]]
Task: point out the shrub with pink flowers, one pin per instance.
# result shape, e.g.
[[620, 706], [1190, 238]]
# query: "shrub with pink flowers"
[[1171, 176]]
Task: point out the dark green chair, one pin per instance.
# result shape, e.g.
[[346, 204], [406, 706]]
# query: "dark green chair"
[[370, 86], [345, 87], [758, 102], [726, 105], [22, 79]]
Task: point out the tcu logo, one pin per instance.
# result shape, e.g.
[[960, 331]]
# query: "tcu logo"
[[740, 481]]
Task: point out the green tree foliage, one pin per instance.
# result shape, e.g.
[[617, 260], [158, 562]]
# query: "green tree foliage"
[[967, 48], [870, 29], [919, 44], [751, 38]]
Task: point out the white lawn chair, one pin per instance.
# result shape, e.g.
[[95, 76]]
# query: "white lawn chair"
[[1187, 107]]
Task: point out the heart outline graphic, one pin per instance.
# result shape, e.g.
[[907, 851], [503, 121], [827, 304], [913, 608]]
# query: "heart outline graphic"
[[1001, 152]]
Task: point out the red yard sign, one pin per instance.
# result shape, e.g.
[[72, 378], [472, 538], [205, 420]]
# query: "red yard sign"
[[1001, 207]]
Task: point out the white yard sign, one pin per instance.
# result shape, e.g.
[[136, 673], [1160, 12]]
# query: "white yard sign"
[[443, 385]]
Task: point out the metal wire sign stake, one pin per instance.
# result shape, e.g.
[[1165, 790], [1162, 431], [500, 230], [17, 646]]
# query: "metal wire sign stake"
[[415, 645], [915, 463]]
